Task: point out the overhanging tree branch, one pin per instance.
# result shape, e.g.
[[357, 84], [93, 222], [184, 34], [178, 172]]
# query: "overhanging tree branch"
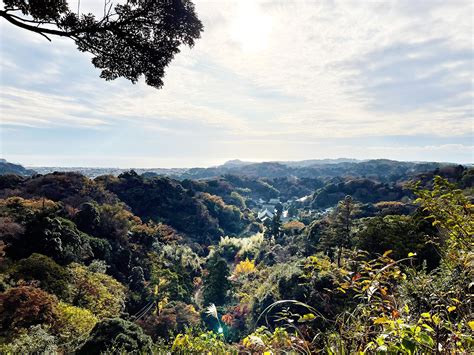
[[138, 38]]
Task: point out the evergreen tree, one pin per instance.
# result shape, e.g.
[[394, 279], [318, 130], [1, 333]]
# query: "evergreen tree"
[[273, 228], [339, 235], [216, 282]]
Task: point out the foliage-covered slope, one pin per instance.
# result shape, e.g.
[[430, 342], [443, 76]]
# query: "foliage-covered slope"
[[112, 264]]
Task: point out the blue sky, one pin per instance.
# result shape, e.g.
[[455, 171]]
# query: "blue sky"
[[268, 80]]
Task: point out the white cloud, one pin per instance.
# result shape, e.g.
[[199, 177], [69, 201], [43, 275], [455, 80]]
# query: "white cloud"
[[34, 109], [279, 70]]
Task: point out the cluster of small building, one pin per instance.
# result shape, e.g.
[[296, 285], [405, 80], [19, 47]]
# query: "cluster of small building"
[[266, 210]]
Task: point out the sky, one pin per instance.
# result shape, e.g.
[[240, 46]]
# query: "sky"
[[267, 81]]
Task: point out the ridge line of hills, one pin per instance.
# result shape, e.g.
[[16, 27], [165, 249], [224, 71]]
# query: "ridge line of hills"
[[325, 168]]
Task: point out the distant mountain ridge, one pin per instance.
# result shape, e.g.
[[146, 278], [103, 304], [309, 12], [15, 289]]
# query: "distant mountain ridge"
[[17, 169], [380, 169], [294, 163]]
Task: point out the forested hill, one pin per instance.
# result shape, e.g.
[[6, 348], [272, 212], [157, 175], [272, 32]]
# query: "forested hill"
[[10, 168], [140, 263], [380, 169], [201, 216], [203, 210]]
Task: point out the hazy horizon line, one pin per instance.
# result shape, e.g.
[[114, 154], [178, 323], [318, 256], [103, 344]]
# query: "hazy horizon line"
[[204, 166]]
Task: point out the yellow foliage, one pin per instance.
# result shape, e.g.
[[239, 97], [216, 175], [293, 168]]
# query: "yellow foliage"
[[74, 322], [33, 204], [293, 225], [204, 343], [245, 267], [100, 293]]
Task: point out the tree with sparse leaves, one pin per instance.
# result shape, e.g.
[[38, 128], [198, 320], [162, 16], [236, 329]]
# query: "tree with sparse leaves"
[[138, 37], [339, 234]]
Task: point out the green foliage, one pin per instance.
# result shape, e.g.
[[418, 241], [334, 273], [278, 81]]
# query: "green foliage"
[[118, 335], [73, 324], [402, 235], [322, 279], [340, 231], [173, 271], [340, 300], [267, 285], [52, 277], [238, 200], [53, 236], [363, 190], [249, 247], [115, 221], [397, 308], [64, 242], [88, 218], [36, 339], [229, 216], [314, 233], [280, 340], [383, 322], [216, 282], [258, 186], [172, 284], [198, 343], [70, 188], [101, 294], [172, 318], [451, 211], [165, 200]]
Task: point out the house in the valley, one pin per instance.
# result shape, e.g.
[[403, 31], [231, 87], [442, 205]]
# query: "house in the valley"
[[264, 215]]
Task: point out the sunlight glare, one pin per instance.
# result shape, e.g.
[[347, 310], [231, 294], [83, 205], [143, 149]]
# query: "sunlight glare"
[[251, 28]]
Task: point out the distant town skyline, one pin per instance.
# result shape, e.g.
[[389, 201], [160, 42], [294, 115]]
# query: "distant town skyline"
[[268, 81]]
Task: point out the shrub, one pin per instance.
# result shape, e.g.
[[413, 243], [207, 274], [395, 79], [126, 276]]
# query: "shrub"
[[172, 318], [206, 342], [35, 340], [24, 306], [100, 293], [53, 278], [244, 267], [116, 335], [73, 323], [278, 341], [249, 247]]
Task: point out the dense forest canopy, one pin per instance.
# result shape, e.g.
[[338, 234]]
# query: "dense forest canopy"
[[149, 263]]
